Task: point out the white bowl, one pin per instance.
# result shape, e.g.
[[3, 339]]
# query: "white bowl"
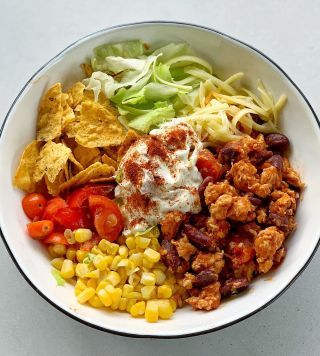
[[228, 56]]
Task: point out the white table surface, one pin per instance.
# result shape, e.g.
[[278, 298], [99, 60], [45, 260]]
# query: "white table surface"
[[34, 31]]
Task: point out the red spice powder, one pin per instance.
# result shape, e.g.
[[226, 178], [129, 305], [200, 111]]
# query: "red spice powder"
[[176, 139], [141, 202], [156, 148]]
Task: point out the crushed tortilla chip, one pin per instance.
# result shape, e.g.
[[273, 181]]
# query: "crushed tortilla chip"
[[50, 114], [102, 180], [98, 127], [77, 164], [97, 170], [53, 187], [112, 152], [87, 69], [68, 115], [23, 178], [75, 94], [108, 160], [85, 155], [52, 159], [130, 138]]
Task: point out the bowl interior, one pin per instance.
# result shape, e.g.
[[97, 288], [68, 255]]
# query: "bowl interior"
[[227, 56]]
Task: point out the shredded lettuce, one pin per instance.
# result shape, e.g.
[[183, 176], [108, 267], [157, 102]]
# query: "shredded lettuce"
[[57, 276]]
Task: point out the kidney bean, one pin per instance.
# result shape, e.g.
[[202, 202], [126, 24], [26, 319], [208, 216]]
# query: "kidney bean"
[[255, 201], [258, 157], [204, 278], [198, 238], [276, 161], [234, 286], [169, 255], [202, 188], [229, 153], [277, 141]]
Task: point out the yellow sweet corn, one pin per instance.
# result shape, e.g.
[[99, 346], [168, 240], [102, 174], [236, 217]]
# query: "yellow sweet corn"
[[135, 295], [113, 277], [81, 255], [115, 261], [96, 251], [160, 265], [131, 243], [148, 292], [85, 295], [71, 253], [160, 276], [59, 249], [102, 285], [152, 311], [147, 264], [93, 274], [173, 304], [112, 248], [164, 292], [136, 258], [148, 279], [67, 269], [151, 255], [100, 262], [142, 242], [68, 234], [122, 303], [57, 262], [165, 309], [95, 302], [130, 303], [138, 309], [82, 235], [92, 282], [123, 251], [82, 269], [104, 297], [126, 289], [134, 279]]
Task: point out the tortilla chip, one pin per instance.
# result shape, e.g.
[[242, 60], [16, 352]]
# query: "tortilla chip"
[[102, 180], [131, 138], [112, 152], [50, 114], [23, 178], [71, 128], [53, 187], [77, 164], [52, 159], [97, 170], [68, 115], [107, 160], [85, 155], [75, 94], [87, 69], [98, 127]]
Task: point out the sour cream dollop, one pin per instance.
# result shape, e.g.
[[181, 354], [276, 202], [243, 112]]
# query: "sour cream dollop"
[[159, 174]]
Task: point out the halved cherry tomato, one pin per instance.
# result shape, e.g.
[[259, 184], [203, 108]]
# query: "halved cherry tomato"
[[52, 208], [208, 165], [55, 238], [108, 220], [87, 245], [40, 229], [72, 218], [33, 205], [79, 197]]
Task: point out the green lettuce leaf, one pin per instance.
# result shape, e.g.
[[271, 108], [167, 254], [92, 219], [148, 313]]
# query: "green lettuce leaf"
[[172, 50]]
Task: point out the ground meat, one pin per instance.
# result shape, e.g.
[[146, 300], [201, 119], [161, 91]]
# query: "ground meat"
[[234, 286], [245, 270], [271, 176], [266, 245], [214, 191], [188, 280], [219, 229], [262, 216], [184, 248], [240, 250], [290, 175], [208, 299], [206, 260], [171, 223], [249, 230]]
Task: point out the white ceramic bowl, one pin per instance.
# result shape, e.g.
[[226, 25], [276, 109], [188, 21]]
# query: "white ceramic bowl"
[[228, 56]]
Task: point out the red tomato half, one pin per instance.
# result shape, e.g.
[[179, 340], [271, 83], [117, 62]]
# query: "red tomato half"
[[52, 208], [79, 197], [40, 229], [33, 205], [72, 218], [108, 220], [208, 165], [55, 238]]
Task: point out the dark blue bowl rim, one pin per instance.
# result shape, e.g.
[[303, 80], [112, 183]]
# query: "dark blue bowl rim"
[[147, 335]]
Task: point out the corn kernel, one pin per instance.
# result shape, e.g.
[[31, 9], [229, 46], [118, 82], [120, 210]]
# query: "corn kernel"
[[136, 258], [92, 282], [165, 309], [148, 279], [148, 292], [82, 235], [51, 252], [85, 295], [152, 312], [147, 264], [81, 284], [113, 278], [124, 263], [102, 245], [100, 262], [112, 248], [160, 265], [71, 253], [151, 255], [126, 289], [134, 279], [130, 303], [93, 274], [68, 234], [102, 285], [160, 276], [81, 255], [67, 270], [96, 251], [115, 261], [59, 249], [95, 302], [82, 269], [123, 251], [138, 309], [115, 296], [153, 233], [173, 304], [142, 242], [131, 243], [135, 295], [123, 303], [155, 244], [123, 275], [164, 291], [57, 262], [104, 297]]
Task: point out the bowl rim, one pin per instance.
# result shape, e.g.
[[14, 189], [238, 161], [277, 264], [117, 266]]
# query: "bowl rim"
[[131, 335]]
